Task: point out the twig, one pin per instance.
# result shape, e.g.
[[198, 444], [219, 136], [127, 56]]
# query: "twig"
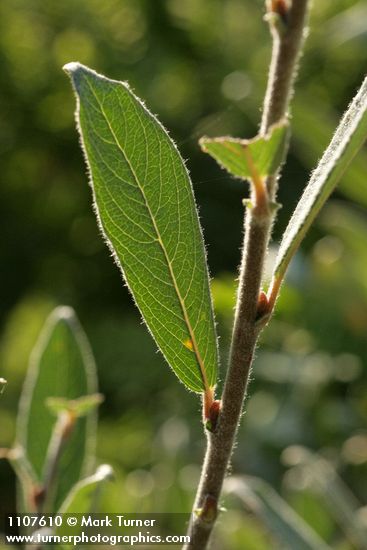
[[60, 436], [287, 24]]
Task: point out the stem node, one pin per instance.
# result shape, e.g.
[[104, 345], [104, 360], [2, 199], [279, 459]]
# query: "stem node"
[[211, 420], [209, 511]]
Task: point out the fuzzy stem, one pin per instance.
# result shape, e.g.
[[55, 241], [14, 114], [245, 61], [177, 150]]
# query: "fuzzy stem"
[[288, 35], [287, 42]]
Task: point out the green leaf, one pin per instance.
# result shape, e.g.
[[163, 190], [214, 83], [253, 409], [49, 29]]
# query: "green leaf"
[[146, 210], [19, 462], [83, 499], [325, 481], [314, 125], [348, 139], [276, 514], [78, 407], [28, 485], [61, 366], [240, 156]]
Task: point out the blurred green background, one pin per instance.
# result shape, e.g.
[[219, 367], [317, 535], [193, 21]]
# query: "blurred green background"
[[201, 66]]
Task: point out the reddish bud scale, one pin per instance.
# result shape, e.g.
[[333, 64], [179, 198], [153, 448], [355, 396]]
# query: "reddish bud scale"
[[213, 414], [281, 8], [37, 497], [262, 305], [209, 511]]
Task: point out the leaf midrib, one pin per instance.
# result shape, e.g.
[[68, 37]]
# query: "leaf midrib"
[[159, 239]]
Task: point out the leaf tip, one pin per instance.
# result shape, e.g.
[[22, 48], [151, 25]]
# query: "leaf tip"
[[203, 143], [63, 314], [105, 471], [76, 71], [72, 67]]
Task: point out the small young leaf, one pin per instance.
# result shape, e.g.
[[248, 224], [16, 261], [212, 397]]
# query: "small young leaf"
[[61, 366], [240, 156], [78, 407], [276, 514], [146, 210], [348, 139]]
